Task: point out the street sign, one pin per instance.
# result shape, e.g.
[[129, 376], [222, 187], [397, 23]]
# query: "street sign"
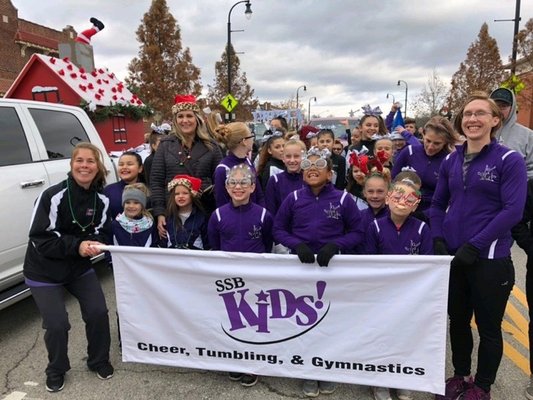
[[229, 102]]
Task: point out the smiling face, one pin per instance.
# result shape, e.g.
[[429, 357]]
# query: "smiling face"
[[132, 209], [358, 175], [240, 187], [186, 121], [478, 120], [316, 177], [84, 167], [369, 127], [325, 141], [375, 192], [292, 157], [129, 168]]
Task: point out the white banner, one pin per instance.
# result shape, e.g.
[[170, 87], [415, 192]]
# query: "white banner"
[[371, 320]]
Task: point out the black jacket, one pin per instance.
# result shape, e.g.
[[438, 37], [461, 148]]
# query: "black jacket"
[[52, 253], [523, 231]]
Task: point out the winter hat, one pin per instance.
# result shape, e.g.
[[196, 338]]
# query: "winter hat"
[[135, 195], [86, 35], [306, 130], [185, 102], [190, 182], [502, 94]]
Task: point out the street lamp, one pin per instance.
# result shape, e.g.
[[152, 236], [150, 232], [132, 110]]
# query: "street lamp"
[[248, 14], [309, 109], [406, 90], [393, 99], [305, 88]]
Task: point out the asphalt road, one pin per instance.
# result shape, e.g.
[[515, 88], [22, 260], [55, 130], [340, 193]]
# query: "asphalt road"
[[23, 359]]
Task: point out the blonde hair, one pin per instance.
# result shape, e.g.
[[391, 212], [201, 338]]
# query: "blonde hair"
[[201, 130], [143, 188], [99, 179], [296, 142], [232, 134]]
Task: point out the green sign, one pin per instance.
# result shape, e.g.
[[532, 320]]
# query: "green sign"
[[229, 103]]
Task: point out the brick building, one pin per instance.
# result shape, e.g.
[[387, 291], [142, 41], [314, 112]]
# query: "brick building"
[[20, 39]]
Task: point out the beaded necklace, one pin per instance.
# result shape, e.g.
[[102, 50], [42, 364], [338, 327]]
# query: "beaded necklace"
[[74, 220], [184, 155]]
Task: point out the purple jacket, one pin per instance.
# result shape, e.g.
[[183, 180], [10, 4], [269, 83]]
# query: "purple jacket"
[[114, 194], [413, 237], [427, 168], [482, 208], [330, 217], [221, 194], [279, 187], [367, 216], [246, 228]]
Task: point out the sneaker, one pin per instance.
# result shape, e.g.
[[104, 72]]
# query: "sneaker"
[[455, 387], [235, 376], [326, 387], [55, 383], [104, 371], [381, 393], [476, 393], [404, 394], [529, 389], [310, 388], [248, 380]]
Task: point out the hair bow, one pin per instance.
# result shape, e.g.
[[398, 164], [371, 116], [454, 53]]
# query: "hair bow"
[[367, 110], [359, 161], [408, 168], [271, 135], [314, 151]]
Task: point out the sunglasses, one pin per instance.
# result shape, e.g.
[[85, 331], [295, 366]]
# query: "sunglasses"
[[409, 200], [321, 163], [244, 183]]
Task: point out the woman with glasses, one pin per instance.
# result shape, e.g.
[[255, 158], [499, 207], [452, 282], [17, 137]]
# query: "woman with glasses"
[[188, 150], [239, 142], [480, 196]]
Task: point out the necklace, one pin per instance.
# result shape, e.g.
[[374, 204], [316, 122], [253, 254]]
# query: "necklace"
[[184, 155], [74, 220]]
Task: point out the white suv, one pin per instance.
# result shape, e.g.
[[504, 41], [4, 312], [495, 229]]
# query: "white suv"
[[36, 141]]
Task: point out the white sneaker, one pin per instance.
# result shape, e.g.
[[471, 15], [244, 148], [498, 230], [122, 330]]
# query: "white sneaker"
[[404, 394], [381, 393]]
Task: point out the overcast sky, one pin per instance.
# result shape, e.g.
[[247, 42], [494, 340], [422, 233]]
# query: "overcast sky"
[[347, 52]]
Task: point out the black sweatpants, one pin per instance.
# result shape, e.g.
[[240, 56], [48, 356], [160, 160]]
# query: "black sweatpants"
[[51, 303], [481, 290]]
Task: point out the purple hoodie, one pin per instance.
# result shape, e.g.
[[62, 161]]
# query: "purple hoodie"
[[482, 208], [330, 217], [279, 186], [247, 228]]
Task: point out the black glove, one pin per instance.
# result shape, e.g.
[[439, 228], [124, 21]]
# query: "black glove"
[[439, 247], [305, 254], [466, 255], [326, 253]]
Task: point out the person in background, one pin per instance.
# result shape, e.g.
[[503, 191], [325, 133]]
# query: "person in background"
[[372, 126], [239, 141], [308, 133], [338, 148], [130, 170], [480, 196], [355, 179], [439, 140], [398, 143], [241, 225], [271, 157], [326, 138], [512, 134], [410, 126], [69, 222], [383, 149], [189, 150], [153, 141]]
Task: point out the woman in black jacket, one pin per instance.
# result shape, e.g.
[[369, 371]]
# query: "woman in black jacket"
[[68, 222]]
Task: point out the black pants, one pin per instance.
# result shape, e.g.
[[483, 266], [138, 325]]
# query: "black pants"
[[51, 304], [481, 290]]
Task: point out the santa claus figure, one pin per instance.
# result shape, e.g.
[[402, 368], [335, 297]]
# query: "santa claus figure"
[[86, 35]]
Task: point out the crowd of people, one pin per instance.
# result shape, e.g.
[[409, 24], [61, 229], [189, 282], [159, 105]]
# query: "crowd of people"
[[455, 190]]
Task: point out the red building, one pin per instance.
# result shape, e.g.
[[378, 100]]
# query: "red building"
[[51, 79]]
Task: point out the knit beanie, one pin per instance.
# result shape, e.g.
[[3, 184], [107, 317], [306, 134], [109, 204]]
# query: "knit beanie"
[[135, 195]]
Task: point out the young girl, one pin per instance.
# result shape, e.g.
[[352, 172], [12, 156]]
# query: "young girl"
[[371, 125], [280, 185], [326, 138], [130, 168], [318, 219], [186, 221], [384, 148], [399, 233], [239, 142], [356, 178], [271, 157], [153, 140], [241, 225], [135, 225]]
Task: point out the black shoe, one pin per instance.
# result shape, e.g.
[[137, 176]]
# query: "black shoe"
[[104, 371], [248, 380], [235, 376], [55, 383], [97, 23]]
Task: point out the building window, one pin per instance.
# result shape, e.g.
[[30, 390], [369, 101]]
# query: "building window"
[[120, 134], [5, 18]]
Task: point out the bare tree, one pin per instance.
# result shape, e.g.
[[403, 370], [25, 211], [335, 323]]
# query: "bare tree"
[[432, 98]]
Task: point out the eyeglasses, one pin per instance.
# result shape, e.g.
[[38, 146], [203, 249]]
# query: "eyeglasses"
[[477, 114], [321, 163], [409, 200], [244, 183]]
